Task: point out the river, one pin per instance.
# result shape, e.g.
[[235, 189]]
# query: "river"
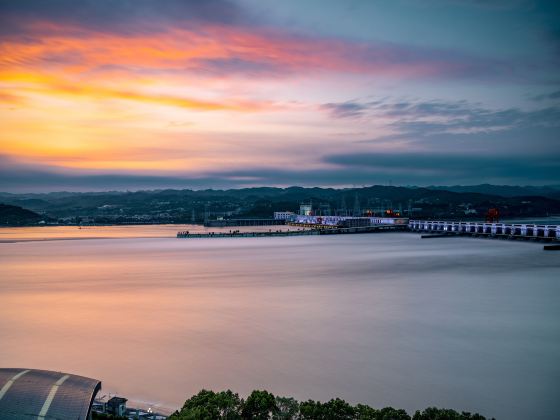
[[383, 319]]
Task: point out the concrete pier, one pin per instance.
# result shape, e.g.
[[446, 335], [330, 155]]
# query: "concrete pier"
[[303, 232], [236, 234]]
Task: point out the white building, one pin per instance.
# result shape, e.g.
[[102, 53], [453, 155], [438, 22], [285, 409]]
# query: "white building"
[[284, 215]]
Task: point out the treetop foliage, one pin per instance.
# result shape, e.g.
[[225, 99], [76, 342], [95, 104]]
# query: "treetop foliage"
[[262, 405]]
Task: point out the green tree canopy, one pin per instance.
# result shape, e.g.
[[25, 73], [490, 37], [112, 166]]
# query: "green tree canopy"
[[288, 409], [434, 413], [209, 405], [262, 405]]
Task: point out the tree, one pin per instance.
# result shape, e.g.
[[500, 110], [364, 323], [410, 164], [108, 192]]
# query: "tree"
[[337, 409], [260, 405], [390, 413], [311, 410], [209, 405], [365, 412], [434, 413], [288, 409]]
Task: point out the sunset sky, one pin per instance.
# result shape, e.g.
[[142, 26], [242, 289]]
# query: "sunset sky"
[[139, 94]]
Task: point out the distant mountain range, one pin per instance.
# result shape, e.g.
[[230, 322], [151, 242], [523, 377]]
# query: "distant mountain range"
[[552, 191], [489, 189]]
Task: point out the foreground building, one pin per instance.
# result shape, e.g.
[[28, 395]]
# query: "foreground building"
[[45, 395], [117, 406]]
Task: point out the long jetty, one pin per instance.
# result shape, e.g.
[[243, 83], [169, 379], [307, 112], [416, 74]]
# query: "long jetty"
[[548, 233], [303, 232], [238, 234]]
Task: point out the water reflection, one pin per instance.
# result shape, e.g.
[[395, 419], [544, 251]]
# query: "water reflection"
[[385, 319]]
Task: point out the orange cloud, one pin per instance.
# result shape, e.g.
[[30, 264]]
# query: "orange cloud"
[[94, 99], [56, 86], [207, 49], [10, 98]]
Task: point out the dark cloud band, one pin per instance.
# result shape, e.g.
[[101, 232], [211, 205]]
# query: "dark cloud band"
[[342, 170]]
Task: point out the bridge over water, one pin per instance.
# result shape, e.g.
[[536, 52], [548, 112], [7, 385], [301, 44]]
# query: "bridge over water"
[[503, 230]]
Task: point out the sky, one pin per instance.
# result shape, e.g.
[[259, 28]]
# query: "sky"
[[144, 94]]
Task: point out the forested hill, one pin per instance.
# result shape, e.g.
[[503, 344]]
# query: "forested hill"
[[185, 206], [17, 216]]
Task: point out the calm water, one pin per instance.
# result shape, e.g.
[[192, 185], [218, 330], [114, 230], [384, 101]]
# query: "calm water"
[[384, 319]]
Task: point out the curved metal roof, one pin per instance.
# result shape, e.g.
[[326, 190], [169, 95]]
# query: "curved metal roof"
[[45, 395]]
